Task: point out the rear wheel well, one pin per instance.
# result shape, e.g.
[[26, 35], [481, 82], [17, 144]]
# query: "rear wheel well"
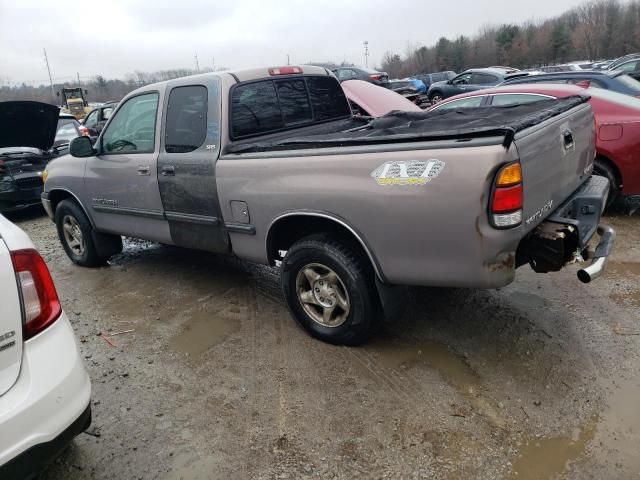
[[288, 230], [613, 166]]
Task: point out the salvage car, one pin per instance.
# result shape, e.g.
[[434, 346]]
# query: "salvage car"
[[617, 123], [380, 79], [429, 78], [97, 118], [44, 387], [270, 165], [470, 80], [67, 129], [27, 142], [373, 101], [613, 80]]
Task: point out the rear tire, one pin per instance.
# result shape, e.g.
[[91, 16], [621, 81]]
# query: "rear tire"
[[320, 275], [603, 169], [78, 237]]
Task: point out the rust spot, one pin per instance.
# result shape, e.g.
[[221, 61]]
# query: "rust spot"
[[505, 262]]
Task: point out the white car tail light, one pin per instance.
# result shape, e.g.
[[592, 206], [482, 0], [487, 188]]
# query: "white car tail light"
[[40, 304]]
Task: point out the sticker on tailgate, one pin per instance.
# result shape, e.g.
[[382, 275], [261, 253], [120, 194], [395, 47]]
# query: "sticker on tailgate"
[[408, 172]]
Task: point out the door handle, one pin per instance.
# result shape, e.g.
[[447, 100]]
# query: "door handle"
[[143, 170], [168, 170]]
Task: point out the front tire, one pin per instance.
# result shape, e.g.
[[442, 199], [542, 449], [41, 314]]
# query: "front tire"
[[435, 97], [330, 290], [77, 236]]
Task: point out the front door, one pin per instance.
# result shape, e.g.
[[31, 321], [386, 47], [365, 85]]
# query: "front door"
[[121, 180], [186, 164]]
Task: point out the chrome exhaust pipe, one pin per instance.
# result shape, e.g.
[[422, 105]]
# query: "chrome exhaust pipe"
[[593, 271]]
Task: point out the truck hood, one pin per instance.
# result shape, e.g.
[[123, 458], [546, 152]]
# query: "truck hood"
[[28, 124]]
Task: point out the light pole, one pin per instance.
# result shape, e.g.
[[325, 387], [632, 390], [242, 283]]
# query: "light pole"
[[366, 53]]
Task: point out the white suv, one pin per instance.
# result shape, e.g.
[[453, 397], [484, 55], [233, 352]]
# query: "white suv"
[[44, 387]]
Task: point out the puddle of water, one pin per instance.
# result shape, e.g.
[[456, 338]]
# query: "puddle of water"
[[204, 330], [623, 269], [453, 369], [543, 458]]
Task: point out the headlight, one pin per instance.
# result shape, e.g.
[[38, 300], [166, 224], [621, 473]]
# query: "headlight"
[[45, 174]]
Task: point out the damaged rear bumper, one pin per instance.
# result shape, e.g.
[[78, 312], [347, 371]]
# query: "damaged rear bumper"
[[564, 236]]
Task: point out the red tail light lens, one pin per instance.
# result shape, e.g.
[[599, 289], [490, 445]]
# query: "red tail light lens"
[[40, 302], [84, 131], [507, 197], [375, 77], [285, 70]]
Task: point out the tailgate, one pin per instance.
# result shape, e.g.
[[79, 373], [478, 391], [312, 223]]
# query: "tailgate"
[[556, 157], [10, 322]]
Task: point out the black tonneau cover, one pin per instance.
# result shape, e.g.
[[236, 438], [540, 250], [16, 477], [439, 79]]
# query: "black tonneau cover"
[[503, 121]]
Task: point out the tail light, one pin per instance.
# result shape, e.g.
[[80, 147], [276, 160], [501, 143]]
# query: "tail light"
[[375, 76], [285, 70], [507, 197], [84, 131], [40, 304]]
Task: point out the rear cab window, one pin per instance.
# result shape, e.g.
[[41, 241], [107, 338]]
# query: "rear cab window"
[[273, 105], [186, 122]]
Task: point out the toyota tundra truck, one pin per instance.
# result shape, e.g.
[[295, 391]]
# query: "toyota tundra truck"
[[270, 165]]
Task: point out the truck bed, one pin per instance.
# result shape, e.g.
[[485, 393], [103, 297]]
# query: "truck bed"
[[493, 121]]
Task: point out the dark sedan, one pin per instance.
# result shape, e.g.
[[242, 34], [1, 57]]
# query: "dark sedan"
[[613, 80], [470, 80], [360, 73]]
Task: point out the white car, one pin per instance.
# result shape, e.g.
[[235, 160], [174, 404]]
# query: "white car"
[[44, 388]]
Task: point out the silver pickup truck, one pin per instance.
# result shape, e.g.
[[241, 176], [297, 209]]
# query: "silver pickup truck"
[[270, 165]]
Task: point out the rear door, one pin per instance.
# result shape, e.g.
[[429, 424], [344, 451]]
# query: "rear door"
[[186, 165], [10, 322], [482, 80]]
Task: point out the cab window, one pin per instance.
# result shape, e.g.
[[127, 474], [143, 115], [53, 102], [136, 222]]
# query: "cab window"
[[462, 103], [186, 124], [133, 128], [483, 79]]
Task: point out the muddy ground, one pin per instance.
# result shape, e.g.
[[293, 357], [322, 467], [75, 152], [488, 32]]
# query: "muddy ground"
[[538, 380]]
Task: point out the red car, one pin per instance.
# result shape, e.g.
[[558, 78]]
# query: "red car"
[[617, 122]]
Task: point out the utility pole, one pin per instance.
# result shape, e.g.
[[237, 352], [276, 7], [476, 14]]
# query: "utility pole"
[[78, 74], [46, 60], [213, 63], [366, 53], [196, 59], [288, 60]]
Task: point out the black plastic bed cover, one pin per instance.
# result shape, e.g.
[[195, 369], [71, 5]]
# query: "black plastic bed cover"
[[491, 121]]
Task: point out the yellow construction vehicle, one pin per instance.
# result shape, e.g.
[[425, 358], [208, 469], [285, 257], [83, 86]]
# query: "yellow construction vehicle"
[[73, 101]]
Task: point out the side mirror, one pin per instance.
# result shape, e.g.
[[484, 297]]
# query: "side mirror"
[[82, 147]]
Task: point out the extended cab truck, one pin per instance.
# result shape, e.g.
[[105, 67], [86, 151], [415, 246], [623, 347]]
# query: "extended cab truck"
[[269, 165]]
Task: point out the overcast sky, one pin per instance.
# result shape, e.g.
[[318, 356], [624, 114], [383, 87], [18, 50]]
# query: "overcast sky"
[[116, 37]]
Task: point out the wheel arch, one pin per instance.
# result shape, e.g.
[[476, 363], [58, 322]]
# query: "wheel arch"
[[59, 194], [610, 163], [290, 227]]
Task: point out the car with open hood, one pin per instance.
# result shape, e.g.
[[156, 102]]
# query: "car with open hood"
[[27, 143]]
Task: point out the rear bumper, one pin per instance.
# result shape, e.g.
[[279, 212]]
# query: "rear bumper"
[[29, 464], [564, 236], [52, 392]]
